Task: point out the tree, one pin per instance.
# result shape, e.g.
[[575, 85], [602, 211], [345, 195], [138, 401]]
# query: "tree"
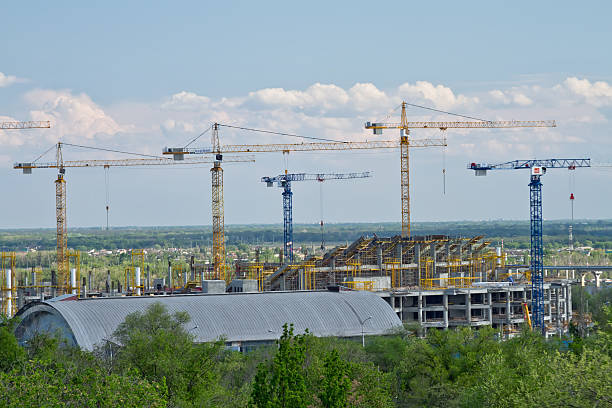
[[156, 345], [283, 383], [11, 353], [336, 384]]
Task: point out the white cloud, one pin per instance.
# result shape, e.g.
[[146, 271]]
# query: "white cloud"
[[322, 96], [598, 93], [188, 101], [499, 96], [366, 96], [7, 80], [521, 99], [73, 117], [441, 96], [323, 110]]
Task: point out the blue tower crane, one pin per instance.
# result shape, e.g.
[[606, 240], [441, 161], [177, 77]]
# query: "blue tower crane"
[[538, 169], [284, 181]]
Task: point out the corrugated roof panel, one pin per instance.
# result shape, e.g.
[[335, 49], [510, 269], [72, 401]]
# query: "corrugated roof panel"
[[236, 317]]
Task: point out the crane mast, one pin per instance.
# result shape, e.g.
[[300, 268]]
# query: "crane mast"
[[284, 181], [538, 169]]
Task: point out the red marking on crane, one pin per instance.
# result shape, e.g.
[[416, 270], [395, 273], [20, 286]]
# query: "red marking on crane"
[[571, 196]]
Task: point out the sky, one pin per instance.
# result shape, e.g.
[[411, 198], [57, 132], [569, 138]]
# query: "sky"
[[139, 76]]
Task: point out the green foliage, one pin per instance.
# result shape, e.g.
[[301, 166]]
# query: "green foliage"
[[11, 353], [335, 383], [155, 363], [156, 345], [283, 383], [51, 385]]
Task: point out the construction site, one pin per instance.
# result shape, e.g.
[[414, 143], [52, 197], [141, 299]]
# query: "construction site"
[[433, 281]]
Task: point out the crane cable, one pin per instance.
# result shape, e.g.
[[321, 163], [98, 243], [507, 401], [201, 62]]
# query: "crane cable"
[[282, 133], [321, 211], [107, 182]]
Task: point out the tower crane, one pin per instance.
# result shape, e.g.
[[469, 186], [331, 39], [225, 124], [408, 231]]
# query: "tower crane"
[[538, 169], [45, 124], [404, 127], [284, 181], [60, 190], [218, 150]]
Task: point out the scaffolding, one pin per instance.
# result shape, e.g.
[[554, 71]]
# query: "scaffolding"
[[393, 269], [426, 262], [133, 277]]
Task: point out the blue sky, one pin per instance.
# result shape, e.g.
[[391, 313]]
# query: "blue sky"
[[139, 76]]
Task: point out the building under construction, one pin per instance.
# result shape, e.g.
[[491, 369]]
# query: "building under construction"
[[435, 281], [432, 281]]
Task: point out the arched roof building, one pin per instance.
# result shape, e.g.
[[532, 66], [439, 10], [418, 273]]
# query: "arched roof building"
[[239, 318]]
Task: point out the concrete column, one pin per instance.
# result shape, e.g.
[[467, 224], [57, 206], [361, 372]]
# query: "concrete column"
[[169, 281], [490, 308], [148, 287], [73, 282], [399, 255], [8, 294], [432, 250], [568, 302], [597, 278], [468, 307], [301, 285], [565, 308], [420, 308], [20, 300], [84, 286], [558, 307], [550, 302], [508, 308], [33, 290], [137, 279], [445, 313], [89, 284], [379, 259], [417, 260], [53, 284], [192, 268]]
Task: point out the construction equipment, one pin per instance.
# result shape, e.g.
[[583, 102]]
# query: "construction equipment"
[[45, 124], [538, 168], [284, 181], [404, 127], [330, 145], [526, 315], [179, 153], [60, 191]]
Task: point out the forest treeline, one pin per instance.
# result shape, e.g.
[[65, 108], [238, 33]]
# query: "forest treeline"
[[152, 361], [597, 233]]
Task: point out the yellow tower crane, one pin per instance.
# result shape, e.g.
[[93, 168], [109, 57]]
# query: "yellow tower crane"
[[404, 127], [60, 191]]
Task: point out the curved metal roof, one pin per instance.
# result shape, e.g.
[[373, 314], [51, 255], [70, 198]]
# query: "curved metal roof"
[[236, 317]]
